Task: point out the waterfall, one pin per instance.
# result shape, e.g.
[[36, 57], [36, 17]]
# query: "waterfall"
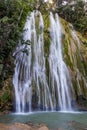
[[22, 76], [32, 89], [59, 74], [30, 77], [80, 71]]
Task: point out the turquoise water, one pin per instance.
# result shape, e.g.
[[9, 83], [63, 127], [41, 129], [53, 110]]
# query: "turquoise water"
[[54, 120]]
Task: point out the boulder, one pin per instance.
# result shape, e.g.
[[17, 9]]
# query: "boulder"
[[16, 126], [43, 128], [20, 126]]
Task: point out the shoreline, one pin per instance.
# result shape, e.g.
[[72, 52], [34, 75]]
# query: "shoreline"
[[23, 126]]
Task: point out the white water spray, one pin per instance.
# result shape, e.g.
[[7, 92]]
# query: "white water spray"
[[30, 73], [32, 89], [59, 75]]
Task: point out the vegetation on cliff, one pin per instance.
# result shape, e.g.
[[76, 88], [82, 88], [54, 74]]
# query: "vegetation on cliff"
[[12, 19], [75, 13]]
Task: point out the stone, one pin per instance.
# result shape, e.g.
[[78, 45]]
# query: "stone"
[[16, 126], [43, 128], [21, 126]]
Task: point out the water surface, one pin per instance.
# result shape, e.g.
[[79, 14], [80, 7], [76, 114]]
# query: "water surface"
[[54, 120]]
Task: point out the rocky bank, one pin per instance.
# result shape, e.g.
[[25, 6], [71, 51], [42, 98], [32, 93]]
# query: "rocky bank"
[[19, 126]]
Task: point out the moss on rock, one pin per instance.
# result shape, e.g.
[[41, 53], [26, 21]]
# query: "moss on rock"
[[6, 96]]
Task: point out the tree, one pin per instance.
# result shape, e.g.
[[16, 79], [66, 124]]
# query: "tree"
[[13, 15], [75, 14]]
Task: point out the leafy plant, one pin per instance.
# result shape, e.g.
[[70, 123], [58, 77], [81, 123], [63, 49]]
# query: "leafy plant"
[[75, 14], [13, 15]]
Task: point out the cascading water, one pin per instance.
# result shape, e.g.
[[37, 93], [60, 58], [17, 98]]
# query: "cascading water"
[[39, 75], [22, 75], [30, 79], [32, 89], [80, 71], [59, 75]]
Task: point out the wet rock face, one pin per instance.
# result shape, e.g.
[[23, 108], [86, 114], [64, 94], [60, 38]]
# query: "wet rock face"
[[19, 126], [80, 104]]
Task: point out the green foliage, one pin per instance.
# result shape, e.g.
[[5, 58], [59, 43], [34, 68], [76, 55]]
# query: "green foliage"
[[75, 14], [5, 96], [13, 15]]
